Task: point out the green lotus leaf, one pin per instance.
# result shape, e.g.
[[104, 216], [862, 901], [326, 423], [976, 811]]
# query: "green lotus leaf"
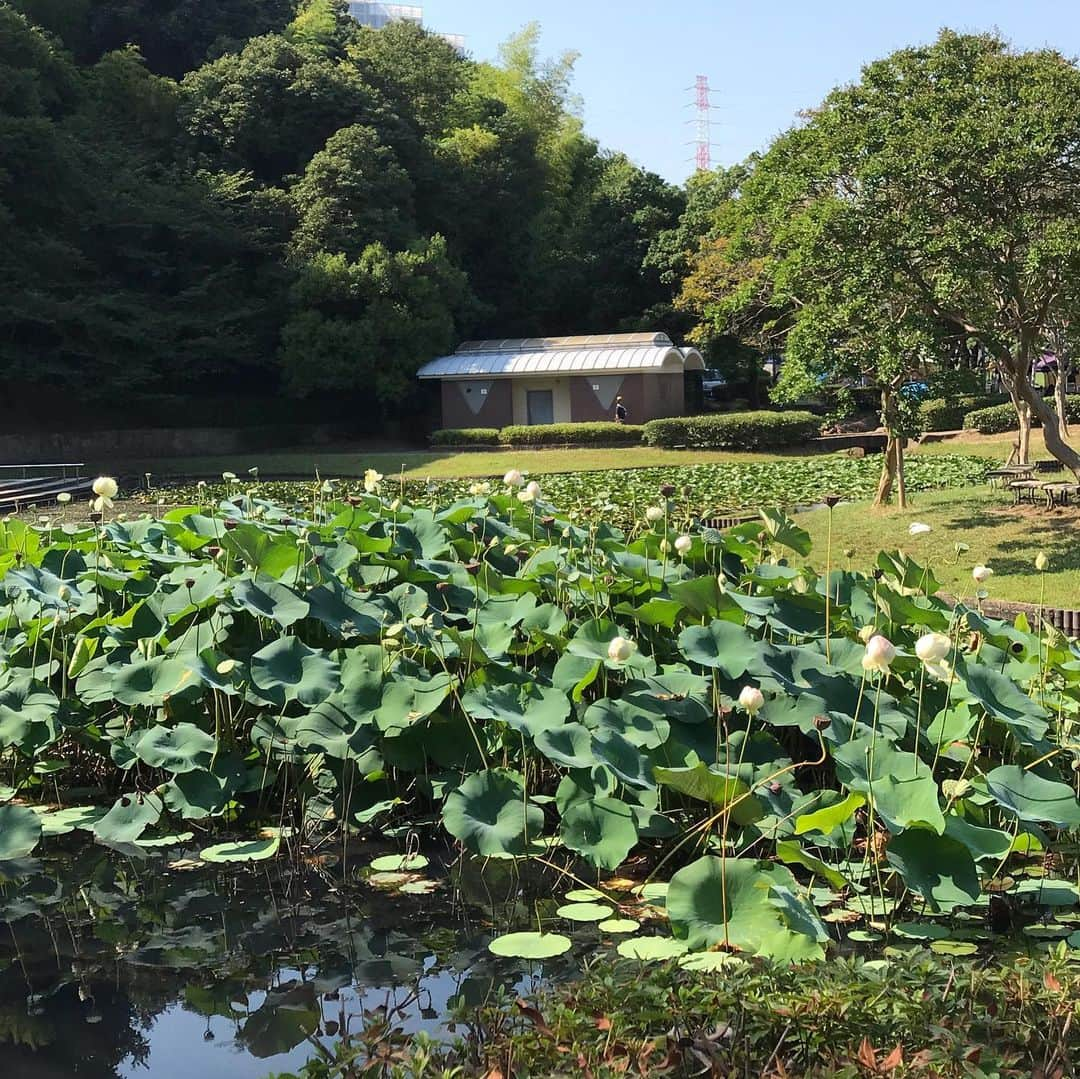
[[150, 682], [1033, 799], [64, 821], [399, 863], [286, 670], [585, 912], [569, 745], [602, 830], [268, 599], [705, 785], [744, 904], [205, 792], [898, 784], [725, 646], [406, 699], [639, 722], [129, 817], [490, 815], [789, 851], [182, 748], [529, 709], [830, 817], [20, 831], [651, 949], [530, 945], [937, 867], [1003, 700], [252, 850]]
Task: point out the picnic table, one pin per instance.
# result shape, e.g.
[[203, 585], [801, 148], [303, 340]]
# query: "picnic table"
[[1008, 473]]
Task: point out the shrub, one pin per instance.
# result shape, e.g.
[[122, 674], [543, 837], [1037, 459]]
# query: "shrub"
[[570, 434], [734, 431], [1001, 418], [949, 414], [466, 436]]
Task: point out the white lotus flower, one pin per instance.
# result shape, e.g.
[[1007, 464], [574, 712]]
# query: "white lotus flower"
[[480, 489], [880, 652], [932, 647], [917, 528], [105, 487], [683, 545], [531, 492], [751, 699], [982, 574], [513, 478], [372, 479], [654, 514], [395, 505], [1042, 563], [620, 649]]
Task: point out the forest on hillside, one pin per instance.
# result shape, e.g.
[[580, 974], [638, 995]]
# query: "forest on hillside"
[[219, 201]]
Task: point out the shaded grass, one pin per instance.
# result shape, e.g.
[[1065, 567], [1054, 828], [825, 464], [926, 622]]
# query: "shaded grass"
[[1002, 536]]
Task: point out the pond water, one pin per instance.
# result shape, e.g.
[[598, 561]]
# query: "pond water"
[[125, 964]]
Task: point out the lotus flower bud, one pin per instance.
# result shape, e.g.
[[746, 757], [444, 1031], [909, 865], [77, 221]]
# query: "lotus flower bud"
[[513, 478], [620, 649], [932, 647], [1042, 563], [683, 545], [751, 699], [982, 574], [653, 514], [880, 652]]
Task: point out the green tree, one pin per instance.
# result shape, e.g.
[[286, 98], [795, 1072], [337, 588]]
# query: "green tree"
[[938, 195], [364, 327]]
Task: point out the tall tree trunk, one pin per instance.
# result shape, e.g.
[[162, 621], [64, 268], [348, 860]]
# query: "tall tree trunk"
[[1059, 396], [1021, 390], [901, 483], [892, 467]]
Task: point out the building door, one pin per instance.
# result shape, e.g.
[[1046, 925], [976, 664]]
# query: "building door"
[[540, 406]]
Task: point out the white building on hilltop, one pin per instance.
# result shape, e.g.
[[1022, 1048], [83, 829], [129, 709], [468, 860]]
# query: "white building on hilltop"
[[375, 14]]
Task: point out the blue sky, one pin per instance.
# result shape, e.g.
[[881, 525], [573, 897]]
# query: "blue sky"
[[765, 61]]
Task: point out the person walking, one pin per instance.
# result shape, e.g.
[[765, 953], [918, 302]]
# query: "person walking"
[[620, 410]]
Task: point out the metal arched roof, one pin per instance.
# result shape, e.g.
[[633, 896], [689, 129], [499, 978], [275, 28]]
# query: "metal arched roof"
[[514, 359]]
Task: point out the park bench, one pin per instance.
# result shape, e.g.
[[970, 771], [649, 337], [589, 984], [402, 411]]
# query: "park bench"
[[27, 485], [1008, 474], [1058, 494], [1026, 490]]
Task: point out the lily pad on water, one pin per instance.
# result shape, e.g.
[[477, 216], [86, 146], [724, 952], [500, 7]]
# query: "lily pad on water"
[[585, 912], [619, 925], [530, 945], [253, 850], [399, 863]]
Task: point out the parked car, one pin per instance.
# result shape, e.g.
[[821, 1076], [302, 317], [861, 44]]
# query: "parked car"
[[713, 384]]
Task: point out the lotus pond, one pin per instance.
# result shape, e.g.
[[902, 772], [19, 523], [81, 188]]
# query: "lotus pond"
[[670, 744]]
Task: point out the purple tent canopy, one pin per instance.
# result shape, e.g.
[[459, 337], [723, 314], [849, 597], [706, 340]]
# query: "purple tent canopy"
[[1049, 362]]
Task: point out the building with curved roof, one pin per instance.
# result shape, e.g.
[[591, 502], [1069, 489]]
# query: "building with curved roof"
[[564, 379]]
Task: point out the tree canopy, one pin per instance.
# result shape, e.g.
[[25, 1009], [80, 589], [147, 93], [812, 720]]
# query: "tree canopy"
[[935, 202], [202, 198]]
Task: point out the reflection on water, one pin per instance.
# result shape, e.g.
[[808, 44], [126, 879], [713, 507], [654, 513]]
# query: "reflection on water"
[[135, 963]]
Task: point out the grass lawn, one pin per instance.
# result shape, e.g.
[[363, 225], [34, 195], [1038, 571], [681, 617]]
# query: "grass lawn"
[[1002, 536], [344, 462]]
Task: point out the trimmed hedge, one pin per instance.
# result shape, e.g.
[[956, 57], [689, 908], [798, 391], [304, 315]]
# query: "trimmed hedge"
[[572, 434], [1002, 418], [466, 436], [949, 414], [734, 430]]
